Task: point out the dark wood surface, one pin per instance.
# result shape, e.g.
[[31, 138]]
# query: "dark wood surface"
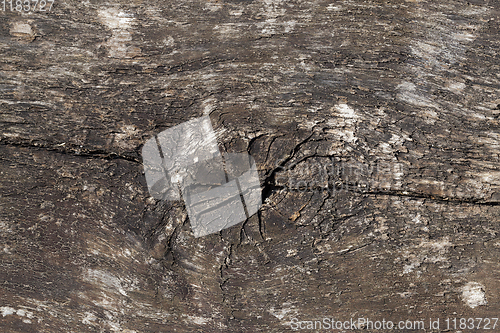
[[374, 126]]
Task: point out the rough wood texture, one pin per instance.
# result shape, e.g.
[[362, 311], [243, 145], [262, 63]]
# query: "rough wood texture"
[[392, 105]]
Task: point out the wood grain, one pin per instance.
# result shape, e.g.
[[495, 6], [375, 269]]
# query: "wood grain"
[[374, 126]]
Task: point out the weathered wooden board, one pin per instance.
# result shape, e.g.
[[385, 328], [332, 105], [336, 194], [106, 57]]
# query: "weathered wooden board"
[[374, 126]]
